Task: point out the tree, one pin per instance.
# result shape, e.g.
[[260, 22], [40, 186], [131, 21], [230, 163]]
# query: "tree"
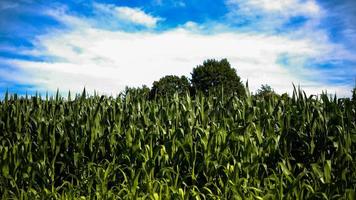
[[354, 94], [143, 91], [214, 75], [169, 85], [265, 91]]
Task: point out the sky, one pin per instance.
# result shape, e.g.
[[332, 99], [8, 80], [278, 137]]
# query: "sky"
[[106, 45]]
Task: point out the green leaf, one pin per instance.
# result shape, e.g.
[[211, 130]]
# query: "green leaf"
[[284, 168], [327, 171], [5, 170]]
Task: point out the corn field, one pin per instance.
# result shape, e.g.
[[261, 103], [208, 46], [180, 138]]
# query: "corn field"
[[182, 147]]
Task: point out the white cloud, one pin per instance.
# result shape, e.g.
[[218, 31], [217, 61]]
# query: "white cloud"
[[107, 60], [272, 15], [60, 14], [284, 7], [137, 16], [170, 3], [134, 15], [106, 15]]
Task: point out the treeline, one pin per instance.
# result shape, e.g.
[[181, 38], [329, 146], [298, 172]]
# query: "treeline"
[[213, 77]]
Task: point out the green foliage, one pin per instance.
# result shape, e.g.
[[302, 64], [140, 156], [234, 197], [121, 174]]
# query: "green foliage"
[[169, 85], [265, 91], [214, 75], [98, 147], [142, 92]]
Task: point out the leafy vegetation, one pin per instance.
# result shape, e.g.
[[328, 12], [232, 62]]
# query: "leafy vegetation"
[[209, 78], [169, 85], [204, 147], [265, 91], [214, 75]]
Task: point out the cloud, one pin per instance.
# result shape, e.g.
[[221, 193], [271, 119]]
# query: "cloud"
[[107, 60], [272, 16], [173, 3], [284, 7], [340, 21], [105, 16], [137, 16], [134, 15]]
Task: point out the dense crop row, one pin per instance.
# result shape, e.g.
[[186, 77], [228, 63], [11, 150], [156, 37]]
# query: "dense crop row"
[[179, 148]]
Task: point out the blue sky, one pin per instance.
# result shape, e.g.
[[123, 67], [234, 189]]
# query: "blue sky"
[[107, 45]]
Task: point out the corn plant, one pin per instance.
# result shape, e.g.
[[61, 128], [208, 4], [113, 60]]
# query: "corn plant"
[[180, 147]]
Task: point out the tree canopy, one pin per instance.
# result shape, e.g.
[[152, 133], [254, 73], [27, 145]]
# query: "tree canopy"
[[213, 75], [265, 91], [170, 84]]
